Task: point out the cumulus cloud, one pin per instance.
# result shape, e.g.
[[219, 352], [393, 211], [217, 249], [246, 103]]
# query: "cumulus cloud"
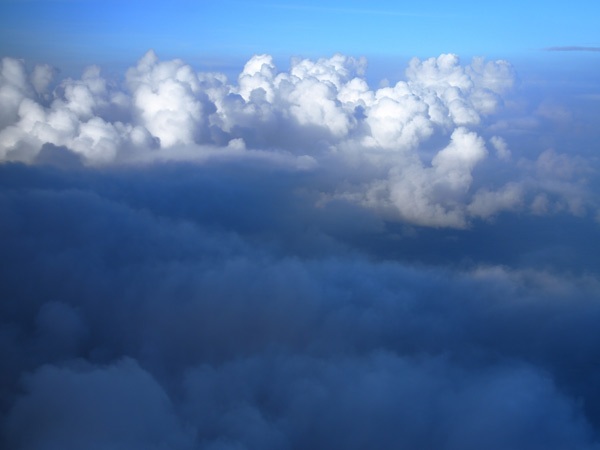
[[467, 92], [168, 100], [411, 151], [433, 195], [322, 111]]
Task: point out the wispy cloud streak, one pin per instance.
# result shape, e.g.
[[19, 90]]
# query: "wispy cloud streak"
[[572, 48]]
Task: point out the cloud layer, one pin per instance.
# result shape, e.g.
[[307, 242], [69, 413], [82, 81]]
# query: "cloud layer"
[[418, 143], [218, 306], [295, 260]]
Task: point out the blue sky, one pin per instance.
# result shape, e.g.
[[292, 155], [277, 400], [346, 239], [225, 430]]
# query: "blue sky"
[[212, 32]]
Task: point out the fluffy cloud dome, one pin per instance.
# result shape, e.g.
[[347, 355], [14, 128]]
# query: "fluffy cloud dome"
[[409, 150]]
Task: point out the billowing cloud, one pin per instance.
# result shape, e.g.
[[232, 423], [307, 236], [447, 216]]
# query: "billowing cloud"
[[433, 195], [411, 151], [320, 111]]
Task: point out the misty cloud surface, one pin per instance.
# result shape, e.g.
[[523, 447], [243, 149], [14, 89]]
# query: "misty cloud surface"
[[295, 260]]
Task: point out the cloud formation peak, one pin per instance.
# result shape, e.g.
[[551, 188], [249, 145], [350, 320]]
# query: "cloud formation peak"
[[418, 143]]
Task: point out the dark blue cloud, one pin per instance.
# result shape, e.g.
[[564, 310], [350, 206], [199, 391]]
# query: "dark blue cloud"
[[223, 306], [94, 407]]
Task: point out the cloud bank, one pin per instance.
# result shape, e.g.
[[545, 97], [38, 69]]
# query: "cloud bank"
[[139, 311], [409, 151], [294, 260]]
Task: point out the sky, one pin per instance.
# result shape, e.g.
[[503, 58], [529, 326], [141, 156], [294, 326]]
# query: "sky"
[[227, 225], [208, 32]]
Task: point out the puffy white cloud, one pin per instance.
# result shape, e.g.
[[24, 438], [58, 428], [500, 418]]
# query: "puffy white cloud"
[[77, 117], [97, 139], [314, 103], [337, 70], [467, 92], [168, 100], [453, 165], [431, 196], [398, 121], [178, 106], [322, 112], [258, 73]]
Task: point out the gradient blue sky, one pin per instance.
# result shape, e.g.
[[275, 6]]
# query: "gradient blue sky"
[[79, 32]]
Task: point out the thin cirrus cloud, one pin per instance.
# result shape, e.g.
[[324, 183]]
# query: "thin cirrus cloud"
[[572, 48]]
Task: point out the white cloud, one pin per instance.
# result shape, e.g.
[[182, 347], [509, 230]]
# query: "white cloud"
[[317, 114], [432, 196], [258, 73], [168, 100], [467, 92], [313, 102], [453, 165], [180, 107], [397, 121]]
